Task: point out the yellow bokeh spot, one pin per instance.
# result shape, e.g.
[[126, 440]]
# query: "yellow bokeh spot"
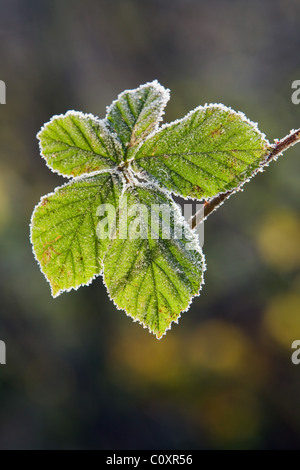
[[282, 319], [218, 346], [278, 240], [143, 358]]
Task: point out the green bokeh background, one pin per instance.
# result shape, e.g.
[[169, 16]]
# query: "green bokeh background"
[[79, 373]]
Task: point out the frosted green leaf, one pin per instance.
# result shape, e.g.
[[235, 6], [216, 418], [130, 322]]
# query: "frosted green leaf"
[[76, 143], [211, 150], [118, 218], [63, 231], [154, 276], [136, 113]]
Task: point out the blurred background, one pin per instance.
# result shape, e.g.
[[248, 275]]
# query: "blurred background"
[[79, 373]]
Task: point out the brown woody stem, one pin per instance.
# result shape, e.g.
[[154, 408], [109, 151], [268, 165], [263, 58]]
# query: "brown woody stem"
[[278, 148]]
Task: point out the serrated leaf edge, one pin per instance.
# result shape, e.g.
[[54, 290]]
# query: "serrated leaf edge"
[[151, 185], [165, 92], [220, 106], [80, 115], [73, 180]]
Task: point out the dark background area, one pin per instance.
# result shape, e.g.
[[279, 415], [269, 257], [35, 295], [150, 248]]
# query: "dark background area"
[[79, 373]]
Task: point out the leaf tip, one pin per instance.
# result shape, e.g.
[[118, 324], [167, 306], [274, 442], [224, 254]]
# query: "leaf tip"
[[55, 291]]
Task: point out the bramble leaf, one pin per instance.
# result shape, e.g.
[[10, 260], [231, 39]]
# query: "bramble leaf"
[[211, 150], [149, 272], [63, 231], [74, 144], [136, 113], [128, 167]]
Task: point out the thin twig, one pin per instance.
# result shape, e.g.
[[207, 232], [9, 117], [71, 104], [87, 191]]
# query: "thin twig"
[[278, 148]]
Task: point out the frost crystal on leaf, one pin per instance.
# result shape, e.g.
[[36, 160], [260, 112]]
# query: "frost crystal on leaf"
[[211, 150], [76, 143], [63, 230], [154, 277], [136, 113], [150, 272]]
